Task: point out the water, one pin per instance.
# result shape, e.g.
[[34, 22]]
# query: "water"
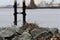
[[42, 17]]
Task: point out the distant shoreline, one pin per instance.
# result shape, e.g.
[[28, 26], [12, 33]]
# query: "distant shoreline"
[[45, 8], [48, 7], [10, 7], [36, 7]]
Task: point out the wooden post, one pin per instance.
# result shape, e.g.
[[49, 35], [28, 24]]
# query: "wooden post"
[[15, 12], [24, 13]]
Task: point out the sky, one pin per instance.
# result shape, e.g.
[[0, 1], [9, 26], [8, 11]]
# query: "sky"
[[11, 2]]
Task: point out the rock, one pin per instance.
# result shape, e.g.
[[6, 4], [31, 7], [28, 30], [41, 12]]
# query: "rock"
[[21, 30], [6, 33], [29, 26], [15, 38], [25, 36], [54, 30], [38, 31], [19, 37], [9, 31], [1, 38], [15, 28]]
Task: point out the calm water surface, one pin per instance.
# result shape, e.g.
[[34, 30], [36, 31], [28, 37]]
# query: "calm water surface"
[[42, 17]]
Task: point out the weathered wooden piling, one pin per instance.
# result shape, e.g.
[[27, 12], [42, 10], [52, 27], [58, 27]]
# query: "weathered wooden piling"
[[24, 13], [15, 12]]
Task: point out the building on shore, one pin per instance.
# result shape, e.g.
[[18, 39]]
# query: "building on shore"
[[43, 4], [32, 4], [53, 4]]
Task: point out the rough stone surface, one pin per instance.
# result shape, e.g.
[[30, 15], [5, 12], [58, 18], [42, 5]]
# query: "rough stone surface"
[[37, 31], [6, 33], [25, 36], [28, 32]]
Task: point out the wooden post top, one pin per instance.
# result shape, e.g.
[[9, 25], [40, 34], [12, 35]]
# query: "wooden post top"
[[15, 0], [23, 0]]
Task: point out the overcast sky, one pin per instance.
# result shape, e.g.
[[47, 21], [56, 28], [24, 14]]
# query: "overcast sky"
[[7, 2]]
